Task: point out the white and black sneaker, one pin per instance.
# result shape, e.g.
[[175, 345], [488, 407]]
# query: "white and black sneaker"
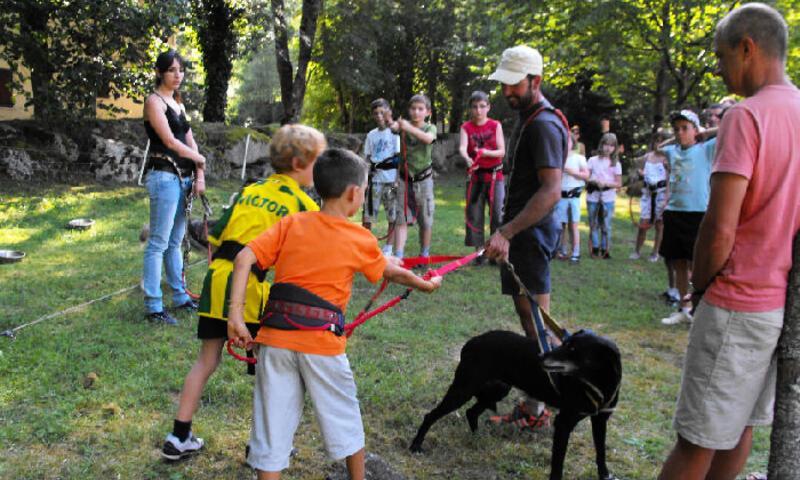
[[174, 449]]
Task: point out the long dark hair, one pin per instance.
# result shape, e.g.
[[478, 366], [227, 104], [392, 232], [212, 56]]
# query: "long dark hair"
[[163, 63]]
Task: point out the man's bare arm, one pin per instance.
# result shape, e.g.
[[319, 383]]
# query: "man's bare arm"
[[718, 229]]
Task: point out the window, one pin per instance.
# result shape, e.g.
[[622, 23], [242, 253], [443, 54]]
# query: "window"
[[6, 95]]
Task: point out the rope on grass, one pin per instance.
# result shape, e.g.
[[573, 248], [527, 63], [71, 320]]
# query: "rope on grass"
[[12, 332]]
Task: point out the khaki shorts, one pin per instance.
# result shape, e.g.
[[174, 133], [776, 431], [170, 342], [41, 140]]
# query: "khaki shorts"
[[423, 193], [382, 194], [282, 379], [728, 379]]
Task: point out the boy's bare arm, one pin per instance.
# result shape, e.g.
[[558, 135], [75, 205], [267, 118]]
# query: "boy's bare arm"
[[237, 330], [421, 135], [397, 274]]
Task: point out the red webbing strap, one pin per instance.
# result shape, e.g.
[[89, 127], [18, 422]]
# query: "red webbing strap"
[[454, 265], [457, 263], [472, 177], [557, 113], [411, 262], [250, 360]]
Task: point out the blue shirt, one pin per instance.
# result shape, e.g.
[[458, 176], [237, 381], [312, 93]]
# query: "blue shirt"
[[689, 176]]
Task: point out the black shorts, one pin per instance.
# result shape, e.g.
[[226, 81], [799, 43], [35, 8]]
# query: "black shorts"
[[209, 328], [530, 252], [680, 233]]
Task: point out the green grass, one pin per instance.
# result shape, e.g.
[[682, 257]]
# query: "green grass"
[[53, 427]]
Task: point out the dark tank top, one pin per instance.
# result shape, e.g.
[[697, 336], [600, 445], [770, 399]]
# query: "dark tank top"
[[179, 127]]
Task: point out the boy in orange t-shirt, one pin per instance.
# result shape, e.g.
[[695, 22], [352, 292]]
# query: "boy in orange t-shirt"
[[315, 255]]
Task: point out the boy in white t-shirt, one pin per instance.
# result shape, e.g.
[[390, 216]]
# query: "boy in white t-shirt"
[[568, 209], [381, 149], [604, 179]]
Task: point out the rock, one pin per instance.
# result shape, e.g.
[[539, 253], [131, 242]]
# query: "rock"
[[17, 164], [376, 469], [116, 161], [350, 141], [445, 152]]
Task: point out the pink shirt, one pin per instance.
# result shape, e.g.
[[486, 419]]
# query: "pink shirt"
[[759, 139], [600, 169]]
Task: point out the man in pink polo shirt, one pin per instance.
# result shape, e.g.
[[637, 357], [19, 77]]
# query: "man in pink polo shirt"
[[743, 253]]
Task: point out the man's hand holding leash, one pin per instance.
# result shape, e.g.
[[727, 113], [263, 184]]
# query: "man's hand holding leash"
[[497, 246]]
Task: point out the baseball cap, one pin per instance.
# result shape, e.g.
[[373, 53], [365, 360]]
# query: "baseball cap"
[[687, 115], [516, 63]]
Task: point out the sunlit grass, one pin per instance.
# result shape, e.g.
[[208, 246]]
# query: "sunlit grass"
[[53, 427]]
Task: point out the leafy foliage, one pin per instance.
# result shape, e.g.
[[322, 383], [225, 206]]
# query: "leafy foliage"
[[78, 51]]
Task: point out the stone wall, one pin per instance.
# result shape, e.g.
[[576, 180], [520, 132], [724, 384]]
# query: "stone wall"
[[112, 150]]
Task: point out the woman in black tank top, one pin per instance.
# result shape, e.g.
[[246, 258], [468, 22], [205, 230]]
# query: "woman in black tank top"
[[173, 163]]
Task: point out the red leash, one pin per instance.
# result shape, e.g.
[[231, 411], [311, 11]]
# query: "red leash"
[[454, 264]]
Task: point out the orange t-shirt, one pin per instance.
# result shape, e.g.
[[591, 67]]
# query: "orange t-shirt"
[[322, 254]]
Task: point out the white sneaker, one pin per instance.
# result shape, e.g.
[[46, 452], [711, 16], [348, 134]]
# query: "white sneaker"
[[677, 318], [654, 258], [387, 250], [634, 256], [174, 449]]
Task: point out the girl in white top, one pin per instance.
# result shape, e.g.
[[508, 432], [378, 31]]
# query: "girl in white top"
[[605, 177], [654, 199]]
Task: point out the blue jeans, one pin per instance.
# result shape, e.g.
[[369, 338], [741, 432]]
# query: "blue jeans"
[[167, 226], [600, 228]]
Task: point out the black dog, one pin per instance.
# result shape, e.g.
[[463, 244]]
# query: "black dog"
[[581, 378]]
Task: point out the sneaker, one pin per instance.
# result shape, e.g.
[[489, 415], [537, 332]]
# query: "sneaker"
[[522, 418], [174, 449], [575, 259], [671, 296], [605, 254], [595, 252], [677, 318], [654, 258], [634, 256], [190, 305], [162, 317]]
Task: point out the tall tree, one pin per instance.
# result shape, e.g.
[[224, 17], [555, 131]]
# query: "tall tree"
[[76, 51], [293, 90], [784, 463], [218, 24]]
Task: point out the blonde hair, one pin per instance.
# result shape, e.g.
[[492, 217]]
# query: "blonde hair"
[[295, 141], [609, 139]]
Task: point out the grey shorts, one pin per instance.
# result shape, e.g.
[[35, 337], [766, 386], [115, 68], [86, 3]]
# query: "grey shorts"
[[423, 194], [282, 378], [728, 379], [382, 194]]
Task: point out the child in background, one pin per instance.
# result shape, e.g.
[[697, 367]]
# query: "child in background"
[[415, 185], [605, 177], [315, 255], [482, 146], [293, 151], [655, 173], [568, 209], [690, 172], [380, 150]]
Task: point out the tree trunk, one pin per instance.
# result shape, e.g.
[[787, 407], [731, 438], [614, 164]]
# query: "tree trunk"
[[293, 92], [784, 461], [218, 44], [33, 26]]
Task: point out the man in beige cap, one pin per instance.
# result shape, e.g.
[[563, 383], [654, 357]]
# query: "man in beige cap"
[[535, 157]]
